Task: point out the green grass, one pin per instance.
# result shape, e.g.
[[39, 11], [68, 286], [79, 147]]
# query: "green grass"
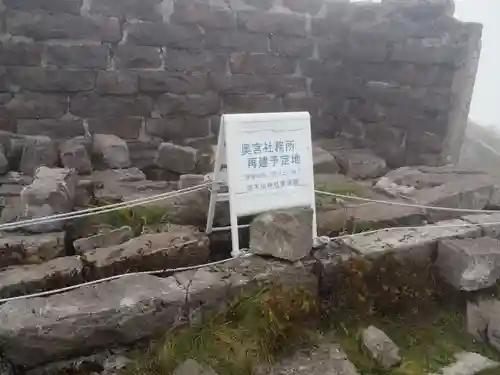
[[427, 344]]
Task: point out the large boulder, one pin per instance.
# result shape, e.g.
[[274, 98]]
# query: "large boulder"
[[360, 163], [180, 159], [380, 347], [323, 161], [51, 192], [74, 155], [38, 330], [111, 150], [104, 239], [179, 246], [38, 151], [284, 234], [469, 264]]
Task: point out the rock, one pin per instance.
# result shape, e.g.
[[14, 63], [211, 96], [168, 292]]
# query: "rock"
[[190, 180], [490, 223], [180, 159], [415, 244], [89, 318], [468, 363], [469, 264], [38, 151], [284, 234], [360, 163], [392, 189], [483, 321], [381, 348], [23, 249], [112, 150], [6, 368], [327, 265], [51, 192], [327, 359], [191, 367], [74, 154], [118, 175], [87, 364], [56, 273], [106, 239], [4, 162], [179, 247], [324, 162]]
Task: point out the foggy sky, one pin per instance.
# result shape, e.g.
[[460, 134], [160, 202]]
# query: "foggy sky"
[[485, 107]]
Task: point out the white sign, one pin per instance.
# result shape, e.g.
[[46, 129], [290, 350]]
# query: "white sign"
[[269, 165]]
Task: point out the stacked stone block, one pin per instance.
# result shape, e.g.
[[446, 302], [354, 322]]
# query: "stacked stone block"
[[394, 77]]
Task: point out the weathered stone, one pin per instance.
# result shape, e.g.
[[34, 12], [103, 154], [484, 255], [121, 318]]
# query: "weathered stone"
[[178, 128], [22, 249], [56, 273], [117, 82], [490, 223], [172, 82], [284, 234], [291, 46], [51, 192], [192, 105], [327, 266], [112, 150], [236, 41], [53, 128], [326, 359], [252, 103], [143, 152], [44, 26], [118, 175], [191, 367], [181, 159], [137, 57], [260, 64], [483, 321], [38, 151], [161, 34], [52, 6], [380, 346], [416, 244], [468, 363], [272, 23], [37, 105], [190, 180], [146, 10], [128, 309], [469, 264], [4, 162], [74, 155], [94, 105], [204, 15], [20, 53], [124, 127], [360, 163], [324, 162], [179, 247], [195, 61], [105, 239], [79, 56], [48, 80]]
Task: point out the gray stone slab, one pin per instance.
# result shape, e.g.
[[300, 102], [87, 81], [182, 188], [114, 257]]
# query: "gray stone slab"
[[490, 223]]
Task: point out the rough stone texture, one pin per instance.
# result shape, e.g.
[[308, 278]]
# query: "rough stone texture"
[[23, 249], [398, 83], [284, 234], [490, 223], [51, 192], [106, 239], [180, 246], [483, 321], [380, 347], [56, 273], [74, 155], [324, 162], [417, 244], [121, 311], [112, 150], [180, 159], [360, 163], [469, 264], [468, 363], [191, 367], [38, 151]]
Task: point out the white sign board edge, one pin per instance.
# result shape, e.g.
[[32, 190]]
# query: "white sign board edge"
[[288, 175]]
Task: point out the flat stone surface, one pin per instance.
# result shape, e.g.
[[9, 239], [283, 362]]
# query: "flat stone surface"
[[18, 248], [490, 223], [180, 159], [326, 359], [284, 234], [57, 273], [106, 239], [38, 330], [415, 243], [324, 162], [360, 163], [181, 246], [469, 264]]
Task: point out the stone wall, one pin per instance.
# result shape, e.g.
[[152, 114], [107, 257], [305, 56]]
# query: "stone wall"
[[395, 77]]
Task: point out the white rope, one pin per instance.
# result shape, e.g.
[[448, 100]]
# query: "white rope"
[[394, 203], [110, 278], [103, 209]]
